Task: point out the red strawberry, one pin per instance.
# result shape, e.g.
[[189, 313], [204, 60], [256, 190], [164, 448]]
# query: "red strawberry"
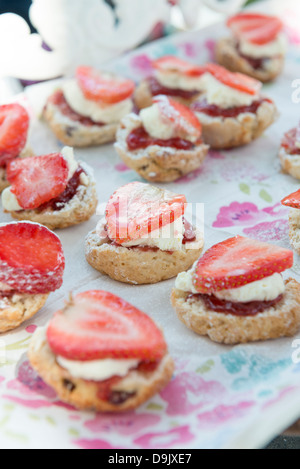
[[291, 141], [137, 209], [170, 63], [37, 180], [99, 87], [292, 200], [31, 258], [237, 262], [237, 81], [256, 28], [181, 117], [99, 325], [14, 125]]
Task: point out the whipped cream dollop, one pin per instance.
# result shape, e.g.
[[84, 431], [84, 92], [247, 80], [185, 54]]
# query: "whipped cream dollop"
[[97, 370], [268, 289], [224, 96], [272, 49], [179, 81], [98, 112], [9, 200]]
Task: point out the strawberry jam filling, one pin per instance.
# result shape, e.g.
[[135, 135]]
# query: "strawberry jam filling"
[[256, 63], [215, 111], [236, 309], [59, 202], [58, 100], [289, 142], [139, 139], [157, 89]]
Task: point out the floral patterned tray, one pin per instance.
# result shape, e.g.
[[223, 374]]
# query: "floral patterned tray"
[[220, 397]]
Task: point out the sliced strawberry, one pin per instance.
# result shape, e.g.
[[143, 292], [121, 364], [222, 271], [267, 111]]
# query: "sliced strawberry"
[[292, 200], [170, 63], [100, 87], [291, 141], [137, 209], [14, 125], [37, 180], [99, 325], [237, 262], [31, 258], [181, 117], [256, 28], [237, 81]]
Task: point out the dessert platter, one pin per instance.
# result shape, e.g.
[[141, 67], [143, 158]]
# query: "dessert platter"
[[177, 325]]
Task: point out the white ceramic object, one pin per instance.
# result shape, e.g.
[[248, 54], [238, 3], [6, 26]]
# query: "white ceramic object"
[[80, 32]]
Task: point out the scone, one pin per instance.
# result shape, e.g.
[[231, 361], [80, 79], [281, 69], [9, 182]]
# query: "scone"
[[236, 294], [289, 153], [257, 47], [172, 77], [232, 110], [87, 110], [144, 237], [163, 143], [293, 201], [14, 128], [54, 190], [101, 353], [31, 267]]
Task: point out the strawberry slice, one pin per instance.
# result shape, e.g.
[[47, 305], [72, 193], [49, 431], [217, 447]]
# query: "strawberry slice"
[[255, 28], [181, 117], [103, 88], [237, 262], [98, 325], [170, 63], [292, 200], [14, 126], [291, 141], [31, 258], [37, 180], [136, 210], [237, 81]]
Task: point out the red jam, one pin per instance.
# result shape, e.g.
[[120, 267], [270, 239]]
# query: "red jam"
[[59, 202], [58, 100], [236, 309], [256, 64], [156, 88], [215, 111], [139, 139], [289, 142]]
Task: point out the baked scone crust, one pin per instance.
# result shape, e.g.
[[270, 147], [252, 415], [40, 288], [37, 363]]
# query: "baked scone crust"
[[26, 153], [135, 266], [156, 163], [18, 309], [74, 134], [228, 56], [283, 320], [290, 163], [294, 222], [143, 97], [85, 394], [80, 208], [222, 133]]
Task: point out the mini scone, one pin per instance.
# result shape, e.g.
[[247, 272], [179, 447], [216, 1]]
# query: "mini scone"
[[101, 353], [257, 46], [171, 77], [54, 190], [289, 153], [14, 128], [163, 142], [232, 111], [293, 201], [87, 110], [236, 294], [144, 237], [31, 267]]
